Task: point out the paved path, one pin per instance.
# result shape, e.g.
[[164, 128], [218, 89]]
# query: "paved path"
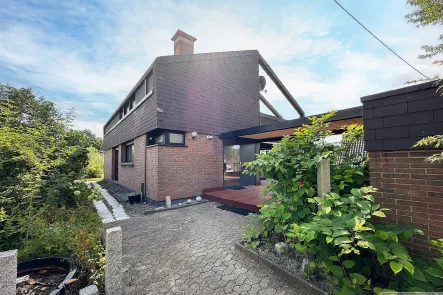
[[191, 251], [118, 212]]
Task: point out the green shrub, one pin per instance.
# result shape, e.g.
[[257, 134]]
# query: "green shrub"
[[95, 164], [355, 254], [350, 250], [73, 231]]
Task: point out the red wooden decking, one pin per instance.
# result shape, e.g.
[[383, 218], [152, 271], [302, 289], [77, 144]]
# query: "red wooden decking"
[[247, 198]]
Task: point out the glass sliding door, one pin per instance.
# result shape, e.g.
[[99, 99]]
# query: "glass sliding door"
[[231, 165]]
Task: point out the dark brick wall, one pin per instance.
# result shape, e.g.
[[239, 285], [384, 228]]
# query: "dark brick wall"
[[412, 189], [398, 120], [266, 119], [132, 176], [140, 121], [208, 93]]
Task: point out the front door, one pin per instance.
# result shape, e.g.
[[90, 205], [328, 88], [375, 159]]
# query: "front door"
[[231, 166], [247, 154], [116, 165]]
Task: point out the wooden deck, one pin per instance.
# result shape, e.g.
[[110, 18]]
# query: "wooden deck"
[[247, 198]]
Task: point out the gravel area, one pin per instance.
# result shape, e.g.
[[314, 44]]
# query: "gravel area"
[[191, 251], [296, 263], [119, 192], [133, 210]]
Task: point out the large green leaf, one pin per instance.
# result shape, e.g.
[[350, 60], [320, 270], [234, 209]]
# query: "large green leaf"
[[345, 291], [336, 270], [348, 263], [408, 266], [384, 235], [379, 214], [342, 240], [358, 278], [435, 272], [286, 215], [395, 266], [418, 275]]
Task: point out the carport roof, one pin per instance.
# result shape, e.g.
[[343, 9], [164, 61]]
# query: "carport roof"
[[280, 129]]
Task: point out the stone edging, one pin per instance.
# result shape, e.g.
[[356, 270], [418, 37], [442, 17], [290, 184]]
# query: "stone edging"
[[176, 207], [297, 281]]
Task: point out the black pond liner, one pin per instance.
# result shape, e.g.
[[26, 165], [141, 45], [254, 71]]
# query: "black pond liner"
[[60, 263]]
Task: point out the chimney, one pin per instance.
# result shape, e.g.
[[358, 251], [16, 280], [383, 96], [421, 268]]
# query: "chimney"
[[183, 43]]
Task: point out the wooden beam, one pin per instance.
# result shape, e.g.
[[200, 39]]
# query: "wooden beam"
[[269, 106], [280, 86]]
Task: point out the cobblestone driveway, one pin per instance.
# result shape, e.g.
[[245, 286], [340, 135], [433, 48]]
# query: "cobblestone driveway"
[[191, 251]]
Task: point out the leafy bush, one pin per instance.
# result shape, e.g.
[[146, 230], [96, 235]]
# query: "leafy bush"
[[349, 249], [68, 231], [355, 254], [95, 164], [42, 210], [291, 169]]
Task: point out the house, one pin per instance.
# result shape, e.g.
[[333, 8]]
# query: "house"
[[163, 139]]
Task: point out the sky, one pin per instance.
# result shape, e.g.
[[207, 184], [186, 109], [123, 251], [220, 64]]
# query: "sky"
[[88, 55]]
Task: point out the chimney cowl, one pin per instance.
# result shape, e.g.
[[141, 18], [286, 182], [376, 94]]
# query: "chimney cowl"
[[183, 43]]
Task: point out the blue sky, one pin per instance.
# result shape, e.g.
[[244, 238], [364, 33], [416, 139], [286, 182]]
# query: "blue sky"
[[87, 55]]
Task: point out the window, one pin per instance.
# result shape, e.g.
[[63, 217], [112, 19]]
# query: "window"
[[176, 138], [159, 139], [129, 153], [166, 137]]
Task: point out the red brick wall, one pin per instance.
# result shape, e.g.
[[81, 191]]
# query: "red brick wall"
[[185, 171], [152, 172], [132, 176], [108, 164], [412, 189]]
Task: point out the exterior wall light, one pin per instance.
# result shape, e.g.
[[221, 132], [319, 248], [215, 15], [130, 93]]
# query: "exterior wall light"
[[209, 137], [194, 134]]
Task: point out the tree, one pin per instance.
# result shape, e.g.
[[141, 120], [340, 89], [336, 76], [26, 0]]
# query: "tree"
[[84, 138], [428, 12], [37, 159]]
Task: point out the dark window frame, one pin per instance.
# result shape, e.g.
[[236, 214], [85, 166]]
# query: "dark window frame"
[[129, 156], [166, 135]]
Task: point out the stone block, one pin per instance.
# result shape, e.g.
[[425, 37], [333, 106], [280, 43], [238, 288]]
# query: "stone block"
[[323, 177], [90, 290], [168, 201], [113, 271], [280, 248], [8, 272]]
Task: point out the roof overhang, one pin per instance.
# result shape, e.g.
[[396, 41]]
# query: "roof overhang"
[[277, 130]]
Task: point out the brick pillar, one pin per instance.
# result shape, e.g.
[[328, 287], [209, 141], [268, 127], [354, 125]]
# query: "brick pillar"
[[413, 189]]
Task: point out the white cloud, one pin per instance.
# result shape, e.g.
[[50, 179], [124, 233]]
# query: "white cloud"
[[98, 52], [95, 127]]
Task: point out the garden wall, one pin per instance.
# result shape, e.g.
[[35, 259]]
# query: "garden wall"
[[409, 186]]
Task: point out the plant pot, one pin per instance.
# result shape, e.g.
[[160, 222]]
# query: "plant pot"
[[60, 267], [134, 199]]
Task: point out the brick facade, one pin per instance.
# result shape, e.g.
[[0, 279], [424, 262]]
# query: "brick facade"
[[175, 171], [152, 171], [185, 171], [108, 164], [412, 189], [132, 176]]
